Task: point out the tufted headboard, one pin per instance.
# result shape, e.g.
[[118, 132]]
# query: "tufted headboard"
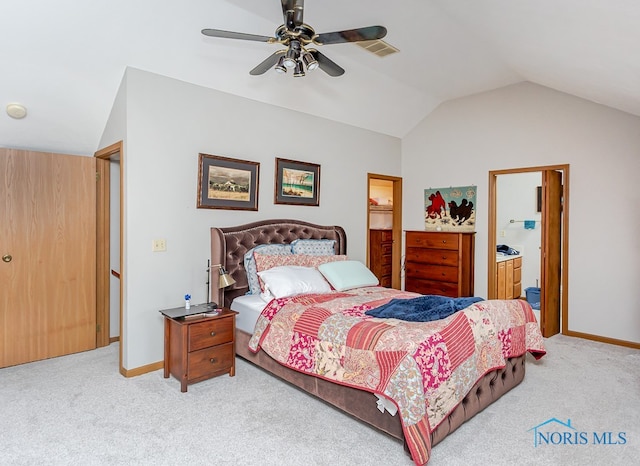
[[229, 245]]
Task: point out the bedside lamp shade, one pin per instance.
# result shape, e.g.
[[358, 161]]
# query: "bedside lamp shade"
[[225, 279]]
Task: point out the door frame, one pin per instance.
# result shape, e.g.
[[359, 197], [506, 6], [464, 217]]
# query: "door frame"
[[103, 243], [396, 226], [491, 257]]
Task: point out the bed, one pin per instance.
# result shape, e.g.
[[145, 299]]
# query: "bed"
[[229, 246]]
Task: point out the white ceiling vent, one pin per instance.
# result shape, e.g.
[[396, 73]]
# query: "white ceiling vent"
[[377, 47]]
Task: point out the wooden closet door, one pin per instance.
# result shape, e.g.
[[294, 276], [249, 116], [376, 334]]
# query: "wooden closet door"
[[551, 267], [48, 227]]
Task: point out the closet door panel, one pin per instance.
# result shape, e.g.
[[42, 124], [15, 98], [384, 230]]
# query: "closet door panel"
[[47, 288]]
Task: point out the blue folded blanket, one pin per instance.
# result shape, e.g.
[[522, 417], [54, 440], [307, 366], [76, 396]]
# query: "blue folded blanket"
[[423, 308]]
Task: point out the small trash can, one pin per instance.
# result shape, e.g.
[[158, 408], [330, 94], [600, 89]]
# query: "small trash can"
[[533, 296]]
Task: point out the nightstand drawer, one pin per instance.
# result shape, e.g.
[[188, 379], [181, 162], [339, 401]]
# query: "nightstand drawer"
[[210, 333], [210, 360]]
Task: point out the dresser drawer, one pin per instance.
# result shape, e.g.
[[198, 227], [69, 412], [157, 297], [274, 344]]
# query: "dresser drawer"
[[385, 268], [432, 272], [385, 281], [433, 256], [210, 333], [386, 235], [208, 361], [431, 287], [385, 248], [432, 240]]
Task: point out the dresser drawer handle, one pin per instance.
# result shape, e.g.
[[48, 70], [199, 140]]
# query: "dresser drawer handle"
[[213, 334], [213, 360]]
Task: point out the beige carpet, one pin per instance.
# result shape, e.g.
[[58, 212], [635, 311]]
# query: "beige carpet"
[[78, 410]]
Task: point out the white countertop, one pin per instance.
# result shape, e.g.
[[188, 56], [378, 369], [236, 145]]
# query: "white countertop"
[[502, 258]]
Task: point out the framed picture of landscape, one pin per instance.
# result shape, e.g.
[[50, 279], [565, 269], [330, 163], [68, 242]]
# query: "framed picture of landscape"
[[226, 183], [297, 183]]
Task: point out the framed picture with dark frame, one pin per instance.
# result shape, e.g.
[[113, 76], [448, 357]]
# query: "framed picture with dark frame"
[[226, 183], [297, 183]]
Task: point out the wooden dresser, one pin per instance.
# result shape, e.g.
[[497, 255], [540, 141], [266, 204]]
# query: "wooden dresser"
[[508, 278], [439, 263], [380, 247]]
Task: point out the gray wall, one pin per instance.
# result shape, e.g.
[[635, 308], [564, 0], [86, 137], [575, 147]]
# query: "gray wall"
[[168, 122], [529, 125]]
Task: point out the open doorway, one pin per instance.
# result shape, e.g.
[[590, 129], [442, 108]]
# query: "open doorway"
[[546, 217], [108, 246], [384, 228]]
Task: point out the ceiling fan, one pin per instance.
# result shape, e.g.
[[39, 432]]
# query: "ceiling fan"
[[296, 36]]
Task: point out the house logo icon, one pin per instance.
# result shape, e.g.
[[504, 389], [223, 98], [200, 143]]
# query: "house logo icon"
[[541, 431]]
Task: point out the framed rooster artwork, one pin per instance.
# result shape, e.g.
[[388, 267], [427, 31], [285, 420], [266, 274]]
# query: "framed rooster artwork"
[[450, 209]]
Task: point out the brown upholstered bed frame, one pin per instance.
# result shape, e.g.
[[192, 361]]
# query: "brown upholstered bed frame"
[[228, 246]]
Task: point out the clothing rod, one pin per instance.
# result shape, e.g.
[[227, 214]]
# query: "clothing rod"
[[522, 221]]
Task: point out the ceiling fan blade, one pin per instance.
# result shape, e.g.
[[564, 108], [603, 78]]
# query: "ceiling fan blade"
[[293, 12], [236, 35], [351, 35], [267, 64], [327, 65]]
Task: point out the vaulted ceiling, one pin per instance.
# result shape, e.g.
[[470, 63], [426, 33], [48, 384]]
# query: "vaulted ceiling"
[[65, 59]]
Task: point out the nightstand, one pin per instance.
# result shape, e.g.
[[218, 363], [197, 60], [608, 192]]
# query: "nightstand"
[[198, 347]]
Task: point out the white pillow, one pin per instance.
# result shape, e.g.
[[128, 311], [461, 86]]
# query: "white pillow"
[[291, 280], [347, 275]]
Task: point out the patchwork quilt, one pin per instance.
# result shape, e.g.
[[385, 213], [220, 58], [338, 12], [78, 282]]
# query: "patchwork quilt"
[[425, 368]]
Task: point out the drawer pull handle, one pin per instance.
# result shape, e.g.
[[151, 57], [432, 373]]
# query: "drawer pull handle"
[[213, 334], [213, 360]]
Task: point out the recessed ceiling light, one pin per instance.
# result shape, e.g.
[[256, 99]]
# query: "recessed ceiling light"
[[16, 111]]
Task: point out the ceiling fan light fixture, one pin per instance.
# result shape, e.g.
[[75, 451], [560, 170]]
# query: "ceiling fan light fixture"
[[280, 66], [299, 71], [310, 62], [291, 58]]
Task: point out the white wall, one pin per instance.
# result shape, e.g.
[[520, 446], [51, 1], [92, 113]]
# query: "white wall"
[[168, 123], [529, 125], [115, 130], [516, 200]]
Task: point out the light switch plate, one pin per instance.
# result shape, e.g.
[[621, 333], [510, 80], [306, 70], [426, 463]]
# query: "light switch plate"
[[159, 245]]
